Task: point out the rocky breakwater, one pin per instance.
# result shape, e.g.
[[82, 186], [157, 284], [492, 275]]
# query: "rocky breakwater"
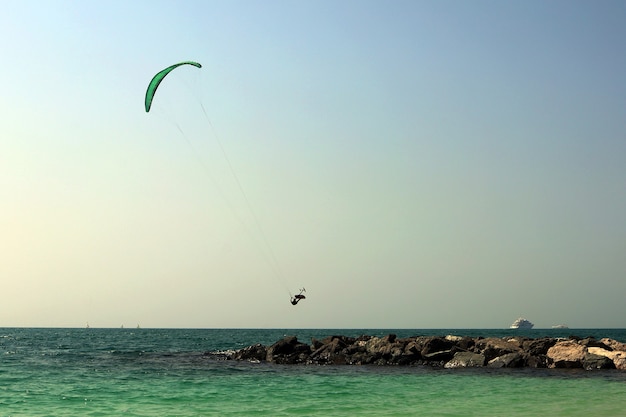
[[447, 352]]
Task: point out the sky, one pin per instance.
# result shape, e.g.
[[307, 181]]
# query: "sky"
[[412, 164]]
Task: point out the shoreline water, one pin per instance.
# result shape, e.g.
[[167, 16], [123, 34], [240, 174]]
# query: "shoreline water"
[[147, 372]]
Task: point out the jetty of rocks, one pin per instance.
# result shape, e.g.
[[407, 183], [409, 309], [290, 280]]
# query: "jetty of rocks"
[[442, 351]]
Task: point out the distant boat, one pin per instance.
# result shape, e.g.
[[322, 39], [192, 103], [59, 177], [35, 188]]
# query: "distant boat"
[[521, 323], [560, 326]]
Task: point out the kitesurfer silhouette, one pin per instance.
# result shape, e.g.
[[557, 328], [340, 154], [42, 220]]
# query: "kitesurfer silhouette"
[[296, 298]]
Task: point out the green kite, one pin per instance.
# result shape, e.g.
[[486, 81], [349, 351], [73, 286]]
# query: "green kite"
[[156, 80]]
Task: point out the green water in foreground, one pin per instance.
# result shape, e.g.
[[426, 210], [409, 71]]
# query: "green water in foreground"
[[268, 390], [110, 373]]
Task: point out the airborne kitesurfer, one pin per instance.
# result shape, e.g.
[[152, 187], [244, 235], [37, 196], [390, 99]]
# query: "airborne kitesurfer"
[[296, 298]]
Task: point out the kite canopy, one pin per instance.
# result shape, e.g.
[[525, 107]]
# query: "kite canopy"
[[156, 80]]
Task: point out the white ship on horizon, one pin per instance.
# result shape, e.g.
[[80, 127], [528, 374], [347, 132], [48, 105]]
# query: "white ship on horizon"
[[521, 323]]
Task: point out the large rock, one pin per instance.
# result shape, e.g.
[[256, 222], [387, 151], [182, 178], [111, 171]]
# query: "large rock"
[[288, 351], [432, 346], [592, 342], [462, 342], [254, 353], [614, 344], [567, 354], [493, 347], [413, 349], [537, 361], [537, 347], [331, 352], [593, 361], [617, 357], [508, 360], [466, 360]]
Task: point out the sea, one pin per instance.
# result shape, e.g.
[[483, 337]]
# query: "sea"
[[166, 372]]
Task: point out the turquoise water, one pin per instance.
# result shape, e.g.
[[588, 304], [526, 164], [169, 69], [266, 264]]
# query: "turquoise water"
[[152, 372]]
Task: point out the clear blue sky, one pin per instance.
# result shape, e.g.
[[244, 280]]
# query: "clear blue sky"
[[413, 164]]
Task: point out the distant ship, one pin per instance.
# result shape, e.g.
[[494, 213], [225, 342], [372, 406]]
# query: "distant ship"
[[560, 326], [521, 323]]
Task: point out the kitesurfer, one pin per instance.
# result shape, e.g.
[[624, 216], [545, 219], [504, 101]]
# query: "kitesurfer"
[[296, 298]]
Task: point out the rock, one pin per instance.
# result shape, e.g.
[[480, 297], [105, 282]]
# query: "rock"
[[466, 343], [536, 347], [404, 360], [330, 353], [493, 347], [618, 358], [508, 360], [600, 352], [466, 360], [412, 348], [432, 345], [517, 341], [284, 346], [592, 342], [453, 338], [255, 353], [357, 359], [316, 344], [536, 361], [566, 354], [614, 344], [288, 351], [462, 342], [376, 345], [592, 361], [389, 350], [442, 355]]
